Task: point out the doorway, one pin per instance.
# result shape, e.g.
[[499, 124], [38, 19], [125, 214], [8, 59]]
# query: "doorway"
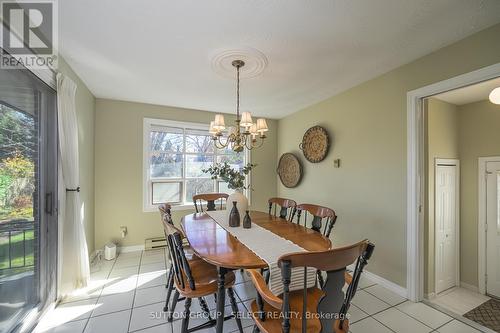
[[416, 171], [489, 212], [28, 197], [461, 123], [447, 224]]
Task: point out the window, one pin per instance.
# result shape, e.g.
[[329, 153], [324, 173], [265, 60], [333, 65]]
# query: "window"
[[175, 153]]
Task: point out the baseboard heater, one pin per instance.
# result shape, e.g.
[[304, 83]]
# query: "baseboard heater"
[[155, 243]]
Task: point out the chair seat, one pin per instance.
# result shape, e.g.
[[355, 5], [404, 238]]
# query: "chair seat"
[[205, 276], [273, 322]]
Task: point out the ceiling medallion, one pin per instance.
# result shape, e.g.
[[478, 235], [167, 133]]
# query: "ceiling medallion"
[[255, 62]]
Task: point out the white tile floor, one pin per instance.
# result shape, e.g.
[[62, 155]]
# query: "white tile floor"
[[127, 295], [459, 300]]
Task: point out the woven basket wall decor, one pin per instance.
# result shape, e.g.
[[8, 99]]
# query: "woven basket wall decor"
[[315, 144], [289, 170]]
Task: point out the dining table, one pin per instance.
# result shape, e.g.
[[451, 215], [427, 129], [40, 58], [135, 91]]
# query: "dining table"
[[216, 245]]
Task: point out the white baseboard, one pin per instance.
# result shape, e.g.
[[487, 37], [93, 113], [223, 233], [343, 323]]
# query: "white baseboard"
[[94, 255], [430, 295], [396, 288], [133, 248], [469, 287]]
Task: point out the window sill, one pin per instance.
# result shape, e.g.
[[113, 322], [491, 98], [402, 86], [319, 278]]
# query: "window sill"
[[177, 208], [154, 209]]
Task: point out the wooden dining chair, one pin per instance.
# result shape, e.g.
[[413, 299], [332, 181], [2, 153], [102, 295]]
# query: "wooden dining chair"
[[310, 309], [165, 209], [286, 207], [323, 218], [166, 217], [195, 278], [210, 199]]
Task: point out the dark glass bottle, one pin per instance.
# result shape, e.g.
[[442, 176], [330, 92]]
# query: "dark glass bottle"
[[234, 216], [247, 221]]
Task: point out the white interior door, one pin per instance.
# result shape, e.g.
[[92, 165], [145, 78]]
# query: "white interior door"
[[493, 228], [446, 222]]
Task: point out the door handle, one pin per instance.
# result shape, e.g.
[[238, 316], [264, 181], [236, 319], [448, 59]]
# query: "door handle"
[[49, 203]]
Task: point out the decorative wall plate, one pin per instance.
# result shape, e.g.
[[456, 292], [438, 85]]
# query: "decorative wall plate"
[[289, 170], [315, 144]]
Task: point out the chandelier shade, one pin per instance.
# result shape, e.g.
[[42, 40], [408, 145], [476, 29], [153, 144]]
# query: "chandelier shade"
[[262, 125], [219, 124], [246, 119], [253, 131], [211, 129]]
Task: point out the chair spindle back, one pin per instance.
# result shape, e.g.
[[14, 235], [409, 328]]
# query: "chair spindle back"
[[323, 218], [353, 286], [210, 199], [182, 270], [334, 262], [165, 213], [287, 207]]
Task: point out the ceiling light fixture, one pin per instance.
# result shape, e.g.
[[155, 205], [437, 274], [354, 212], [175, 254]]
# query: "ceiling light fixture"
[[236, 139], [495, 96]]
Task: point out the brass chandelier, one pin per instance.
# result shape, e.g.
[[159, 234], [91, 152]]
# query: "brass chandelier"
[[238, 139]]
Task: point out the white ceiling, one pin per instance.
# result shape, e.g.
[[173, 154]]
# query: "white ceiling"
[[161, 52], [470, 94]]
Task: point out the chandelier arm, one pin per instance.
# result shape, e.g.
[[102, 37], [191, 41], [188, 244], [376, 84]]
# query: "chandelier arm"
[[248, 142], [254, 144], [219, 144], [222, 142], [259, 144]]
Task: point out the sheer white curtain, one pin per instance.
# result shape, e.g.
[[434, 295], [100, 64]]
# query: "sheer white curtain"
[[75, 261]]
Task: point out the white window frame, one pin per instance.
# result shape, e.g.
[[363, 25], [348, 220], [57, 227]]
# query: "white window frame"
[[150, 123]]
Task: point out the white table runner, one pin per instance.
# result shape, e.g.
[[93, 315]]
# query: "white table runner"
[[269, 247]]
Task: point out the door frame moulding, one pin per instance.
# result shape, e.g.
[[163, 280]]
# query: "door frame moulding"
[[481, 221], [450, 162], [415, 171]]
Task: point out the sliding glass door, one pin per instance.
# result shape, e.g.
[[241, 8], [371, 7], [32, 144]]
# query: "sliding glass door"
[[28, 196]]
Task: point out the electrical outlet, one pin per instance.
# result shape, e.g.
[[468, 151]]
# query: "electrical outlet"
[[336, 163], [123, 230]]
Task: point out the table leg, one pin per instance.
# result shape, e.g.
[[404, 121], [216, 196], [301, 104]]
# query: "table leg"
[[259, 300], [221, 298]]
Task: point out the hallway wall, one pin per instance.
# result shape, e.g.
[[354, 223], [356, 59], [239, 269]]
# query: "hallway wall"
[[441, 134], [466, 132], [479, 125]]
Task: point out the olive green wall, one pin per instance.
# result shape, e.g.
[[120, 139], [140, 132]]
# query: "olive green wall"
[[119, 163], [441, 136], [479, 125], [368, 125], [85, 113]]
